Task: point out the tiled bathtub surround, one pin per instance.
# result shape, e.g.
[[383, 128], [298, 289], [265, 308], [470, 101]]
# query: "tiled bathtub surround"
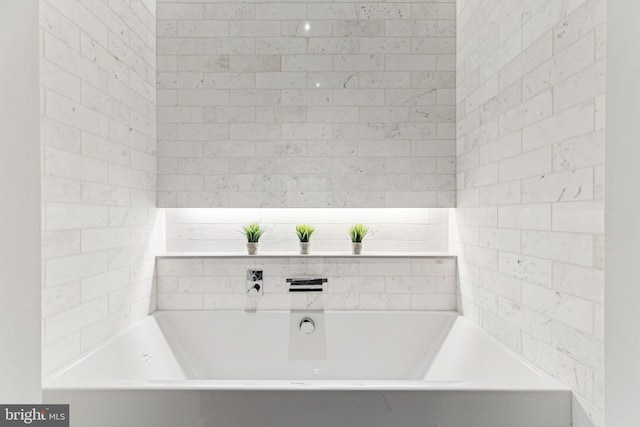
[[397, 230], [306, 104], [101, 229], [402, 283], [529, 225]]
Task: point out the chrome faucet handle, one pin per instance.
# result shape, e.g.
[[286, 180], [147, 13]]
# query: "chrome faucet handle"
[[254, 291]]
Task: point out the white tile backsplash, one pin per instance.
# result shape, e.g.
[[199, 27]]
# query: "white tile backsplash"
[[100, 224], [308, 93], [401, 283], [219, 230], [529, 225]]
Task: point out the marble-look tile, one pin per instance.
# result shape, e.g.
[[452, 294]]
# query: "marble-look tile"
[[180, 302], [530, 146], [59, 352], [574, 311], [535, 270], [103, 284], [60, 298], [237, 66], [579, 152], [365, 284], [567, 247], [445, 302], [576, 376], [579, 345], [503, 330], [74, 319]]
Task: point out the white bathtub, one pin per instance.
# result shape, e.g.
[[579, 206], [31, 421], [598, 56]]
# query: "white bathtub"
[[234, 369]]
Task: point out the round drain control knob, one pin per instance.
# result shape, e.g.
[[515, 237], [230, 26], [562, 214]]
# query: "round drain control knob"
[[307, 326]]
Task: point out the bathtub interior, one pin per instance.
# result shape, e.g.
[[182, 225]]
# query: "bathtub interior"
[[227, 349], [270, 345], [140, 352]]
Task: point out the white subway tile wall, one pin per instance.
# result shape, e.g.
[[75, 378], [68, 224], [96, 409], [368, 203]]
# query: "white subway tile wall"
[[403, 283], [101, 229], [530, 148], [390, 231], [306, 104]]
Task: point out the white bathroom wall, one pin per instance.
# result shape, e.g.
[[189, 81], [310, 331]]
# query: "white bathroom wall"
[[622, 293], [20, 213], [101, 229], [390, 231], [354, 283], [306, 104], [206, 267], [529, 225]]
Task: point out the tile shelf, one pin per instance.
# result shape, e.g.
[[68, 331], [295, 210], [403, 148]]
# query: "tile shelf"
[[312, 255]]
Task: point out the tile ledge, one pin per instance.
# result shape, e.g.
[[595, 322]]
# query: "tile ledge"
[[312, 255]]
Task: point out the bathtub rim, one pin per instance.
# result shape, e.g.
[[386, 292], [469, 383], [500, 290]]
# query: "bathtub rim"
[[54, 381], [546, 384]]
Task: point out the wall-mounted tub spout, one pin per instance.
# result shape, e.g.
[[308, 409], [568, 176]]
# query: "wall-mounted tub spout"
[[307, 284]]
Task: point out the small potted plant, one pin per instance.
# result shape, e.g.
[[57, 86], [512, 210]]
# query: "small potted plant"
[[253, 232], [357, 233], [304, 232]]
